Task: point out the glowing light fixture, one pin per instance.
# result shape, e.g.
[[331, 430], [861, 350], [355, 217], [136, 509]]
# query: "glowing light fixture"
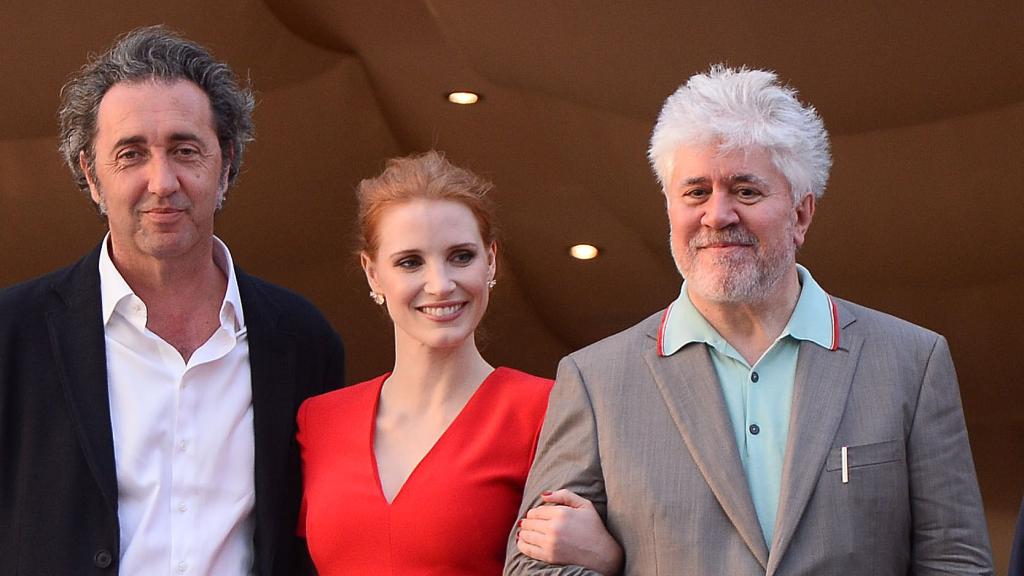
[[463, 97], [584, 252]]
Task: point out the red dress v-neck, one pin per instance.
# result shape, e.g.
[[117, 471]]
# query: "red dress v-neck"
[[454, 513]]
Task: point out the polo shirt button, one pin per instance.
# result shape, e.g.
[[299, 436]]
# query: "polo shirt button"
[[753, 377], [102, 558], [755, 429]]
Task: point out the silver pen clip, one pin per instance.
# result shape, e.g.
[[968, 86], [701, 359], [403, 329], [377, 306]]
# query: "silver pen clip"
[[846, 466]]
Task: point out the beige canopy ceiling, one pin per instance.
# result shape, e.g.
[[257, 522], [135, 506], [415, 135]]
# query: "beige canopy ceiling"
[[924, 101]]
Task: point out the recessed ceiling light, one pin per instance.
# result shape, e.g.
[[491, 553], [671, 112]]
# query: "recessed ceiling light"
[[463, 97], [584, 252]]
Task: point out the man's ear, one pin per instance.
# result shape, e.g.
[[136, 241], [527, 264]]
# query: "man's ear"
[[94, 189], [226, 169], [804, 213]]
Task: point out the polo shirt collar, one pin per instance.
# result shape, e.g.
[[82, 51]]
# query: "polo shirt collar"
[[814, 319]]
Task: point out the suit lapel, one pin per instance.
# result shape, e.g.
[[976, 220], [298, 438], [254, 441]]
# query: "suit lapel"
[[822, 385], [272, 357], [689, 386], [75, 325]]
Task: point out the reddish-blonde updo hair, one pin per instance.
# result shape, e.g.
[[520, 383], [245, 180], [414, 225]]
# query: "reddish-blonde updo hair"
[[426, 176]]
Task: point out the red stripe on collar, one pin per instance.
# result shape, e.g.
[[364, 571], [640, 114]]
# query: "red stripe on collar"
[[661, 330], [835, 324]]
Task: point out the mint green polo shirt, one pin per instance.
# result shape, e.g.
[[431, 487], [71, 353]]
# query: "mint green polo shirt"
[[758, 397]]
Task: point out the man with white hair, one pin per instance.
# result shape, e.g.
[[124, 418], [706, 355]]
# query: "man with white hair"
[[757, 425]]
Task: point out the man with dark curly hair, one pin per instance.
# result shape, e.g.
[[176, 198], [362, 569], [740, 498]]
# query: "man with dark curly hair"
[[148, 392]]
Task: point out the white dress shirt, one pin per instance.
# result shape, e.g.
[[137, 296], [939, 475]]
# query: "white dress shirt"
[[183, 437]]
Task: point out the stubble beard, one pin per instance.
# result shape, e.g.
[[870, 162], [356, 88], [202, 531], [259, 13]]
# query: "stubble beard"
[[735, 278]]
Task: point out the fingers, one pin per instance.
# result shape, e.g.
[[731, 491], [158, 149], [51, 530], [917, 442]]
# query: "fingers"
[[565, 498], [545, 512], [526, 544], [556, 511], [537, 525], [533, 540]]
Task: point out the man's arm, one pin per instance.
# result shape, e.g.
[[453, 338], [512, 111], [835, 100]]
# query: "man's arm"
[[567, 457], [949, 531]]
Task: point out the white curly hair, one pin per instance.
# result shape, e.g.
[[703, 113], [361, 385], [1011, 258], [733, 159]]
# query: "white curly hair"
[[736, 109]]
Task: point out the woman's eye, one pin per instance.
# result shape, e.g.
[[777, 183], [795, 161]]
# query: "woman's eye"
[[408, 263], [463, 257]]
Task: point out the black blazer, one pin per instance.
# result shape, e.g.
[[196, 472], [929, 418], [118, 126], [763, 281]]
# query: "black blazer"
[[58, 485]]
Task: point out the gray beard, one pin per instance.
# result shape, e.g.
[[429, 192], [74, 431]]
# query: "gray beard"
[[735, 279]]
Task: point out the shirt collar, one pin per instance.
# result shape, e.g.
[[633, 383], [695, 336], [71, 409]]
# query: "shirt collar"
[[115, 292], [814, 319]]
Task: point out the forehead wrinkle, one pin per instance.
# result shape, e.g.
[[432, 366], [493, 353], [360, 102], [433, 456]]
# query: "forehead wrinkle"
[[174, 137]]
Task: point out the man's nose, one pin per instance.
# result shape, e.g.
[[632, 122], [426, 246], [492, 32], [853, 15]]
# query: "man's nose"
[[719, 210], [163, 180]]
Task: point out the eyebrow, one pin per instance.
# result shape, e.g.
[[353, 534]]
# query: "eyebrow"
[[415, 251], [748, 178], [174, 137], [742, 178], [696, 180]]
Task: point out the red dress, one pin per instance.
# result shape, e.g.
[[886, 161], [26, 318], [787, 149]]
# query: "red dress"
[[454, 513]]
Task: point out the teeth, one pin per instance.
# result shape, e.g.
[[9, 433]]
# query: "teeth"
[[441, 310]]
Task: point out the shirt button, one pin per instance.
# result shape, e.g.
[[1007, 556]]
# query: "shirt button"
[[182, 446], [182, 567], [182, 507], [753, 377], [755, 429]]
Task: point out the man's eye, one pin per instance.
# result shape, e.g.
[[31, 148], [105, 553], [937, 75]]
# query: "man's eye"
[[128, 155], [748, 194], [696, 193]]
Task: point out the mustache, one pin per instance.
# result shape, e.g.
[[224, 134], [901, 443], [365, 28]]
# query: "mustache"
[[730, 235], [173, 202]]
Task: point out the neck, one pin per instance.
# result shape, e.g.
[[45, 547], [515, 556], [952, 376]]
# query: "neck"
[[752, 327], [183, 295], [424, 376], [182, 275]]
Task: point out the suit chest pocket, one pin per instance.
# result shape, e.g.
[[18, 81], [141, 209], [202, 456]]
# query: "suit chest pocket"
[[863, 455]]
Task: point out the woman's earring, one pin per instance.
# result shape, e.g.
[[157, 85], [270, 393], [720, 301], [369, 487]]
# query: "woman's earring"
[[377, 297], [491, 284]]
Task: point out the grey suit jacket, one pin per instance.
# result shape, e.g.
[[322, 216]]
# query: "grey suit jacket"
[[647, 438]]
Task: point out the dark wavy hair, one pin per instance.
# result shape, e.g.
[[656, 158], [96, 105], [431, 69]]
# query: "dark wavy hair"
[[153, 53]]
